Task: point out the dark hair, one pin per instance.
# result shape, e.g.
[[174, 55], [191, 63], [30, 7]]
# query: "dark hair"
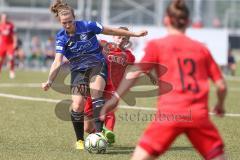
[[128, 44], [60, 7], [178, 13]]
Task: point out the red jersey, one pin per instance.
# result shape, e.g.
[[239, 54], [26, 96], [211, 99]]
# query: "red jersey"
[[117, 61], [189, 65], [6, 32]]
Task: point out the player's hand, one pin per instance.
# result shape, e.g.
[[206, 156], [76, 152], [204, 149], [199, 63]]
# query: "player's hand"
[[109, 106], [46, 85], [219, 110], [141, 33]]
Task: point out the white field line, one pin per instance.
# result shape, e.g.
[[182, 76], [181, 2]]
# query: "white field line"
[[38, 85], [11, 96], [30, 85], [237, 79]]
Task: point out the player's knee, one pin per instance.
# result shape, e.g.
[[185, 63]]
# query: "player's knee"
[[77, 107], [96, 93]]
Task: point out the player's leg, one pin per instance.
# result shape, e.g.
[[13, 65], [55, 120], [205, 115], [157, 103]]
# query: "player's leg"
[[156, 139], [89, 125], [11, 58], [110, 118], [109, 126], [110, 121], [21, 57], [141, 154], [89, 122], [2, 57], [88, 119], [98, 76], [77, 117], [233, 68], [79, 91], [97, 100], [1, 62], [206, 139]]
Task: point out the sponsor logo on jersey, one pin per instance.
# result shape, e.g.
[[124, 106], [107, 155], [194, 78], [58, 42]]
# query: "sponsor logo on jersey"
[[83, 37], [81, 48]]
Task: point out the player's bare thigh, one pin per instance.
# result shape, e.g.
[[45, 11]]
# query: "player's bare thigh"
[[78, 103], [97, 85]]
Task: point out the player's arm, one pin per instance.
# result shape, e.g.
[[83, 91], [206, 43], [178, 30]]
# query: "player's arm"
[[53, 71], [122, 32], [221, 93], [216, 76], [129, 79], [152, 77], [15, 38], [97, 28]]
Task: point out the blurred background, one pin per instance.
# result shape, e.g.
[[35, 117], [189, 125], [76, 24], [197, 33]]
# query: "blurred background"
[[214, 22], [32, 127]]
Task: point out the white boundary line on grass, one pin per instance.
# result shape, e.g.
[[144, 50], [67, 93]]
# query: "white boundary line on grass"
[[38, 85], [33, 85], [12, 96], [30, 85]]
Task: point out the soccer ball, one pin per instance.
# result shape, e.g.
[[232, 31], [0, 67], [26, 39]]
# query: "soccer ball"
[[95, 143]]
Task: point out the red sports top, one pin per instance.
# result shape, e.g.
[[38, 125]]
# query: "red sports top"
[[189, 65], [117, 61], [6, 32]]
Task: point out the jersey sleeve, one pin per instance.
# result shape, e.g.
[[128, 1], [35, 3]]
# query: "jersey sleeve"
[[60, 45], [214, 71], [95, 27], [150, 58]]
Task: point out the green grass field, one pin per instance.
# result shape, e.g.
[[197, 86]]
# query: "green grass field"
[[31, 130]]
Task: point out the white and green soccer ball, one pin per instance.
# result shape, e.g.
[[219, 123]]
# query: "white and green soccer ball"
[[95, 143]]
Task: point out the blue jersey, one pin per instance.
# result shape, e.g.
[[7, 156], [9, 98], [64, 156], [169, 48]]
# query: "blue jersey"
[[82, 49]]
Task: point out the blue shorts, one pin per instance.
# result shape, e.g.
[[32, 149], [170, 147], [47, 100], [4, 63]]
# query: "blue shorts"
[[82, 78]]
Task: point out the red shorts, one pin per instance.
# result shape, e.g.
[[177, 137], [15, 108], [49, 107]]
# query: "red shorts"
[[6, 49], [204, 136]]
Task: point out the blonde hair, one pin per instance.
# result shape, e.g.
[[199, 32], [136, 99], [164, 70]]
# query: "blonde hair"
[[60, 7]]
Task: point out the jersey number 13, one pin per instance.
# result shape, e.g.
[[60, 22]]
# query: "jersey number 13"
[[187, 69]]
